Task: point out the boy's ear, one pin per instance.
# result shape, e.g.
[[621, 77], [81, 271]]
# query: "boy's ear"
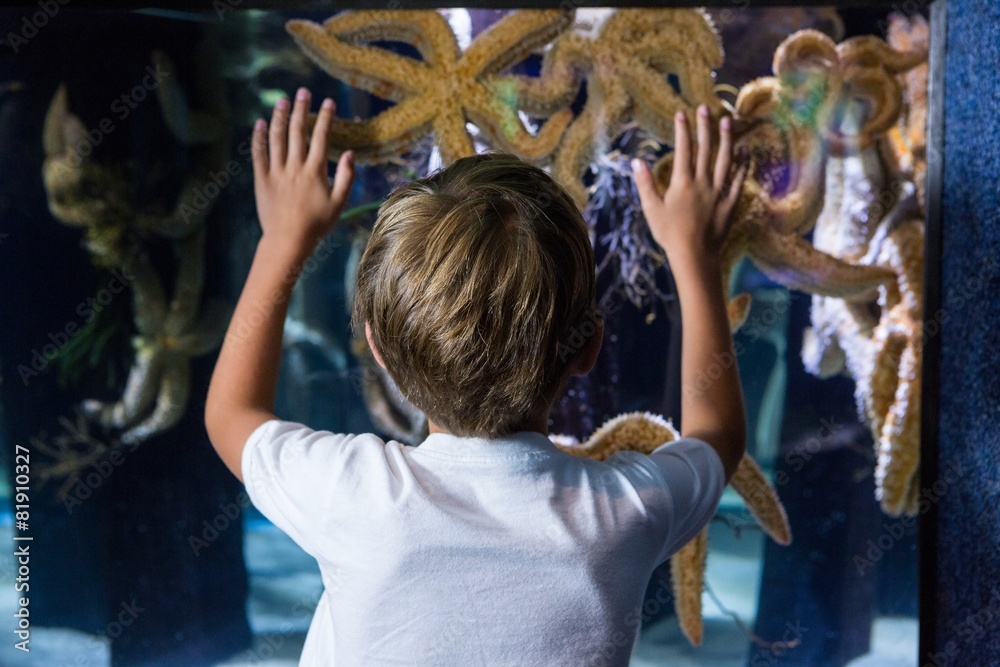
[[588, 355], [371, 344]]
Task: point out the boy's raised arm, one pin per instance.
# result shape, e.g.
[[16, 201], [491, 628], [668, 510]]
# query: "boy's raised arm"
[[690, 221], [297, 208]]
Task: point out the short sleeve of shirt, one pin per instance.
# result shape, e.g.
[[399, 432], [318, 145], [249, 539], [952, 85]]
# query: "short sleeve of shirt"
[[694, 478], [293, 475]]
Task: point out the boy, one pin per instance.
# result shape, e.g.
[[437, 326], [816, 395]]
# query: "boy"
[[485, 545]]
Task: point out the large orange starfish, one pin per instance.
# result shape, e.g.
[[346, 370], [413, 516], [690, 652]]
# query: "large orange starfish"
[[442, 92], [626, 67]]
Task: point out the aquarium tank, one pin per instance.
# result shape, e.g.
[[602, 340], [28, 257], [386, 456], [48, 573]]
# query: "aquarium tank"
[[128, 222]]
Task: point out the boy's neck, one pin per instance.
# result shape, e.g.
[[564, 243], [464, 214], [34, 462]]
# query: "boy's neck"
[[538, 424]]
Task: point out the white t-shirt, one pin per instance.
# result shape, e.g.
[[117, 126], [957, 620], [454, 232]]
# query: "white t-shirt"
[[467, 551]]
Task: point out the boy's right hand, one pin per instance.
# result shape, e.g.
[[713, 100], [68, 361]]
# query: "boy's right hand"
[[690, 221]]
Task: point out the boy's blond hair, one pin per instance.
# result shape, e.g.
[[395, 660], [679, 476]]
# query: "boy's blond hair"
[[474, 282]]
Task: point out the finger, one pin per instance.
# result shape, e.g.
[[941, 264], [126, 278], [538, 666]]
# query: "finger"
[[704, 144], [725, 157], [682, 149], [258, 148], [343, 179], [319, 145], [648, 196], [731, 197], [297, 127], [736, 187], [278, 135]]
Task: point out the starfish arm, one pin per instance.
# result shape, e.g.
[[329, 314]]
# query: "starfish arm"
[[872, 51], [189, 127], [793, 262], [451, 136], [189, 214], [558, 82], [555, 88], [384, 74], [206, 332], [656, 102], [504, 130], [898, 441], [882, 93], [174, 387], [738, 309], [687, 570], [762, 500], [574, 155], [512, 39], [143, 378], [187, 290], [387, 134], [822, 353], [425, 29], [61, 130], [149, 304], [898, 434], [634, 431]]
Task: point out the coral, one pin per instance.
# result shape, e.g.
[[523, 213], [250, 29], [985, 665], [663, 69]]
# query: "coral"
[[84, 193], [438, 94], [644, 432]]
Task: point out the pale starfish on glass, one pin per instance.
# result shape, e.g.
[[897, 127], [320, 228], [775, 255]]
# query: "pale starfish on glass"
[[87, 194]]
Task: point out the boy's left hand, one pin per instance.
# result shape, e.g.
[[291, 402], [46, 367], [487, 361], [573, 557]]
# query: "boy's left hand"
[[295, 202]]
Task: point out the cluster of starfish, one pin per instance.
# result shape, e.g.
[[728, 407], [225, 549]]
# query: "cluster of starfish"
[[811, 130], [625, 64], [815, 135], [644, 432], [873, 216], [84, 193]]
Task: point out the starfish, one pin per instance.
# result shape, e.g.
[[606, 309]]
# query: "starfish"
[[644, 432], [907, 141], [625, 66], [96, 197], [779, 121], [873, 217], [436, 95]]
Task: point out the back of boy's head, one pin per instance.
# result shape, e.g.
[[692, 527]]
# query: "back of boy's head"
[[473, 282]]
